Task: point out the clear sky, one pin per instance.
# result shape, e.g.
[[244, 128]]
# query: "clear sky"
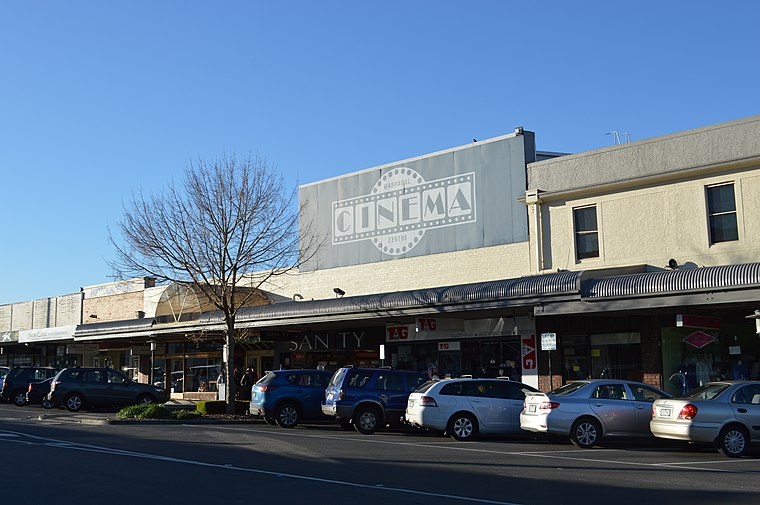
[[98, 99]]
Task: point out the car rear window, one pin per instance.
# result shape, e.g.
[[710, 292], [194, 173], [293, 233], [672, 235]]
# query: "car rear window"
[[427, 385], [415, 381], [568, 388], [706, 392], [338, 377]]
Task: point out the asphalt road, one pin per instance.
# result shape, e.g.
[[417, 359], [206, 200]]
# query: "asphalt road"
[[80, 459]]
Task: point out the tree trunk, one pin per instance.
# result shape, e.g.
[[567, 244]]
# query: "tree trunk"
[[231, 385]]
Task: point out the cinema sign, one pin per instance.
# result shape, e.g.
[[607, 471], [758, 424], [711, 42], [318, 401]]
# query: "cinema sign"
[[401, 207]]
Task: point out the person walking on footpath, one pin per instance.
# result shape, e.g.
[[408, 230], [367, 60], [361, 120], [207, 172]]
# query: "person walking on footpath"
[[246, 383]]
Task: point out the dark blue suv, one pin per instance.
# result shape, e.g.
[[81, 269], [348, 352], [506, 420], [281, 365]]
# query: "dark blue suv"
[[369, 398], [285, 397]]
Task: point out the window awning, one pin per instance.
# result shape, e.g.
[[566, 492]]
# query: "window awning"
[[687, 280], [128, 328], [522, 291]]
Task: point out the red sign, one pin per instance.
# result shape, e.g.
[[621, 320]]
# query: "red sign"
[[529, 353], [690, 321], [699, 339], [426, 325], [397, 332]]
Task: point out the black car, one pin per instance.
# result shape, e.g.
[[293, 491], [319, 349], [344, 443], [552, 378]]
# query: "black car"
[[17, 382], [76, 388], [36, 393]]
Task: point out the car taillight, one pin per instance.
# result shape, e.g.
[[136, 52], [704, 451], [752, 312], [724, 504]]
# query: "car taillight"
[[340, 394], [427, 401], [264, 389], [548, 405], [29, 388], [688, 412]]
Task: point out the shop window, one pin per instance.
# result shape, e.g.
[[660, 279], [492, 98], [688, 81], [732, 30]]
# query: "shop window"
[[586, 232], [721, 211]]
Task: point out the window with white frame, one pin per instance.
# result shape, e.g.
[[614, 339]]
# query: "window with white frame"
[[721, 212], [586, 232]]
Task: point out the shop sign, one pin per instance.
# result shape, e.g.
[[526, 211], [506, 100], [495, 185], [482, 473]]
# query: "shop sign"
[[699, 339], [426, 324], [449, 346], [326, 342], [398, 332], [394, 215], [691, 321], [82, 349], [528, 348]]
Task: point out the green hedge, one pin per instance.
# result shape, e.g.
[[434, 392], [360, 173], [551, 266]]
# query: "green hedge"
[[220, 407], [153, 411]]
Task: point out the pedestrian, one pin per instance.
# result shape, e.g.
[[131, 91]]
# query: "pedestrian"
[[246, 383], [237, 376]]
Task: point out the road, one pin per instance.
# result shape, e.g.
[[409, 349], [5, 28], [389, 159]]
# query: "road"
[[72, 462]]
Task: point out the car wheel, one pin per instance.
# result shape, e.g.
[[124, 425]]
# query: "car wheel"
[[286, 415], [367, 420], [733, 441], [146, 400], [19, 398], [462, 427], [74, 402], [47, 404], [586, 433], [270, 420], [345, 423]]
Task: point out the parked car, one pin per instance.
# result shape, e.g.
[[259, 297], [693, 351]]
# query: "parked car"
[[286, 397], [464, 408], [725, 413], [36, 393], [76, 388], [590, 410], [369, 398], [3, 372], [17, 382]]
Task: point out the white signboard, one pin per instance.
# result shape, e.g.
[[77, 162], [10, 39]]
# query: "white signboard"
[[548, 341]]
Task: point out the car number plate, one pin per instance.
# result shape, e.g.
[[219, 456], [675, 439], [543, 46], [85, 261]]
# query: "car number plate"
[[665, 412], [532, 407]]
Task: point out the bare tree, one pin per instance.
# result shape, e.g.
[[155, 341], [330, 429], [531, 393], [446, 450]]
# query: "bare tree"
[[227, 230]]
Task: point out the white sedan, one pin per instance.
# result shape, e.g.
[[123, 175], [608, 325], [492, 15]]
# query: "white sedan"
[[464, 408], [725, 413]]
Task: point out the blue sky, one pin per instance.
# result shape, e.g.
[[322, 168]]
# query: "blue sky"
[[98, 99]]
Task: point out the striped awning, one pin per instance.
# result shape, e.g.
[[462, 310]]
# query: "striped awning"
[[684, 280]]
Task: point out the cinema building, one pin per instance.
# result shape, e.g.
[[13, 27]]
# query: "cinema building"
[[639, 261]]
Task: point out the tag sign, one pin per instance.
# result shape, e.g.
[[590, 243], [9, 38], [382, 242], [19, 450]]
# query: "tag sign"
[[449, 346], [548, 341]]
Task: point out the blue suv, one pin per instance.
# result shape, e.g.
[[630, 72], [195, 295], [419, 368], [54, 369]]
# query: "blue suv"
[[285, 397], [369, 398]]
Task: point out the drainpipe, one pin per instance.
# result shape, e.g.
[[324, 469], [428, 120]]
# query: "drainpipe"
[[534, 202]]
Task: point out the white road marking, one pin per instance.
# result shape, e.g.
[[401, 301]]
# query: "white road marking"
[[62, 444]]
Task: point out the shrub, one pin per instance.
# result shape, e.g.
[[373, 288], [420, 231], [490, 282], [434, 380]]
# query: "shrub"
[[186, 414], [149, 411]]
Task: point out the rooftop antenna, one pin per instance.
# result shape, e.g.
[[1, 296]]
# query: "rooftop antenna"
[[626, 136], [615, 137]]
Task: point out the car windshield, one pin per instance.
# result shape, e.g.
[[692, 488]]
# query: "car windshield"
[[706, 392], [568, 388]]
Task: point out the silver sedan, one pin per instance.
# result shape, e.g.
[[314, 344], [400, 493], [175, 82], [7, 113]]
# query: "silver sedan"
[[588, 410], [726, 414]]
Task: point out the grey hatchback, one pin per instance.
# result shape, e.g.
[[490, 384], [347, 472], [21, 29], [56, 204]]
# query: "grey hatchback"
[[76, 388]]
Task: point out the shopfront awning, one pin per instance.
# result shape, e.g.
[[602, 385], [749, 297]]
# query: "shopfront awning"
[[718, 285], [522, 291], [41, 335], [130, 328]]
